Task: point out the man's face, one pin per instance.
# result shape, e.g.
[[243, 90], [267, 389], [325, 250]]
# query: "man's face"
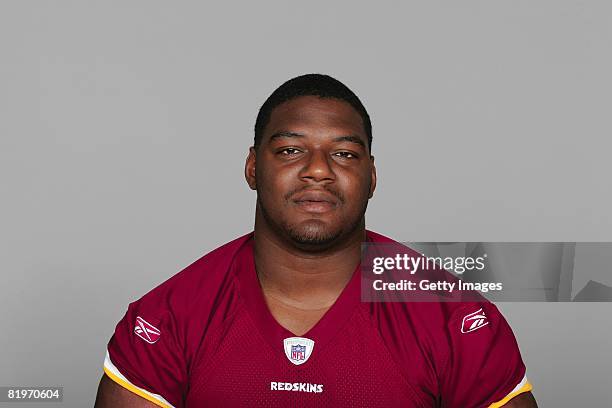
[[313, 171]]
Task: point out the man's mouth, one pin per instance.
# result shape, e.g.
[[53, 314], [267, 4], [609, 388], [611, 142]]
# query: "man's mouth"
[[318, 201], [315, 206]]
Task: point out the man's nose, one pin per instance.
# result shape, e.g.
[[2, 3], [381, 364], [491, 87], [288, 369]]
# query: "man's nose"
[[317, 167]]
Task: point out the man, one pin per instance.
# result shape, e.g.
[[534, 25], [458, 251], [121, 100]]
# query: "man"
[[274, 318]]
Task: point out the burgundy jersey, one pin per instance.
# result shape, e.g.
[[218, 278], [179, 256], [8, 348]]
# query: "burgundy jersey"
[[205, 337]]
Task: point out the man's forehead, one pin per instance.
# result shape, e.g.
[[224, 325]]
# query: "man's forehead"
[[312, 112]]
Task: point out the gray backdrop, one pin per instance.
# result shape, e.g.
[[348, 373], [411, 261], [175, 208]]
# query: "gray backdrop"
[[124, 128]]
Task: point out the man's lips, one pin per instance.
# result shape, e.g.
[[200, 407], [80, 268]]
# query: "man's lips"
[[315, 201]]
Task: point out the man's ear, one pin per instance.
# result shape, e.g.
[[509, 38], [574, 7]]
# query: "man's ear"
[[373, 178], [249, 169]]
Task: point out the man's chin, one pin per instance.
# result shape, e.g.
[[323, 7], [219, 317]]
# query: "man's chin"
[[313, 235]]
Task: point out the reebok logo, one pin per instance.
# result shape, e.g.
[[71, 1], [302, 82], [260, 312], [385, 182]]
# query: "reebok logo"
[[146, 330], [474, 321]]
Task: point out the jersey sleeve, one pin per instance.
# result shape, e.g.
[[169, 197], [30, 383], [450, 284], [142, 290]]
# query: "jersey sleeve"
[[484, 366], [144, 354]]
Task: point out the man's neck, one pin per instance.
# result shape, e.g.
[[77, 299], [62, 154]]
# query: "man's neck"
[[306, 280]]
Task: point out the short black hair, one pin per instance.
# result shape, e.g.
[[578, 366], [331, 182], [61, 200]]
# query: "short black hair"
[[323, 86]]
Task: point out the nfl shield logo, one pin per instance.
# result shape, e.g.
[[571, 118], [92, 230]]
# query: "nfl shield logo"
[[298, 349], [298, 353]]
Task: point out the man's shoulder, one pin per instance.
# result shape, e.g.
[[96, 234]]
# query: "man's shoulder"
[[376, 237], [431, 317], [198, 283]]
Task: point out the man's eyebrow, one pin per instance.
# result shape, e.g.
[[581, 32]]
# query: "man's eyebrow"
[[351, 139], [284, 133], [346, 138]]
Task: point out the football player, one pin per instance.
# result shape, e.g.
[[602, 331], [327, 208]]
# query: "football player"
[[275, 318]]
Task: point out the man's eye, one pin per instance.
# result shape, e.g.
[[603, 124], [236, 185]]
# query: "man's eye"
[[345, 155], [288, 151]]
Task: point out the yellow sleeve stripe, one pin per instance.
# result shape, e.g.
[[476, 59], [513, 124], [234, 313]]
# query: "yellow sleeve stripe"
[[114, 374], [523, 386]]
